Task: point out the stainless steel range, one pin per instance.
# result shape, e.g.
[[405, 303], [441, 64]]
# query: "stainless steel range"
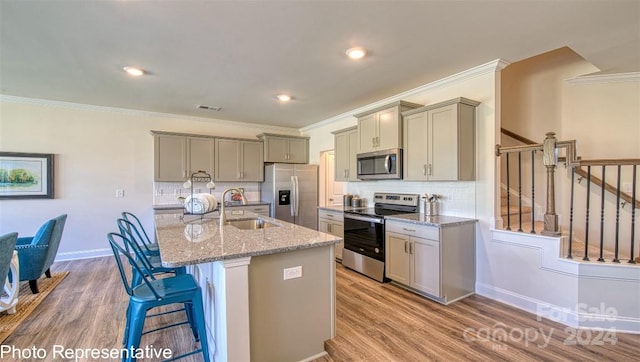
[[364, 242]]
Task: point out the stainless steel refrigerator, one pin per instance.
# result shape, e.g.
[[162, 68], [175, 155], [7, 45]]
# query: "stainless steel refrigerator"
[[292, 190]]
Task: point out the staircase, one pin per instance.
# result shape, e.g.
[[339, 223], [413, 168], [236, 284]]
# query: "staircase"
[[517, 216]]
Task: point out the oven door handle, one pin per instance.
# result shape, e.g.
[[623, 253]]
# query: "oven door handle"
[[362, 218]]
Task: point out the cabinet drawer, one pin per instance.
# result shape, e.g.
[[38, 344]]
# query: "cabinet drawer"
[[331, 215], [421, 231]]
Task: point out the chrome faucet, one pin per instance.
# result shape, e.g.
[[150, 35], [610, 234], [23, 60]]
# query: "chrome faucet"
[[223, 215]]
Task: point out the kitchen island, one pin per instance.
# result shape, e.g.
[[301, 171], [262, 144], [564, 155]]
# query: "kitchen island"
[[269, 293]]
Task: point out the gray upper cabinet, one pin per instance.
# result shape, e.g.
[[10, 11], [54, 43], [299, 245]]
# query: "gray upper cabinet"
[[381, 128], [346, 149], [439, 141], [200, 155], [238, 160], [177, 156], [285, 149]]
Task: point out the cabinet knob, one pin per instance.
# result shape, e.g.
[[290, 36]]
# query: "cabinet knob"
[[406, 247]]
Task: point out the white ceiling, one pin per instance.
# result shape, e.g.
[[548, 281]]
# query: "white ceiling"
[[239, 55]]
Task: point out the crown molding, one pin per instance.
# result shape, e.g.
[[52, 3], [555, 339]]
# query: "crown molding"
[[133, 112], [490, 67], [604, 78]]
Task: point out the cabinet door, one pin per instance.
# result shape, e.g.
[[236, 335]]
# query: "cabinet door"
[[443, 143], [367, 133], [201, 155], [425, 265], [252, 163], [352, 171], [276, 149], [338, 230], [298, 151], [415, 147], [388, 129], [341, 163], [227, 160], [397, 262], [170, 159]]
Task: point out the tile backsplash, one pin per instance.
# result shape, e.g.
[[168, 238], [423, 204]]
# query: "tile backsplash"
[[456, 198], [167, 193]]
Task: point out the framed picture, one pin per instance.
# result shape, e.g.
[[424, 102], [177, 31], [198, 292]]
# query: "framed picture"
[[26, 175]]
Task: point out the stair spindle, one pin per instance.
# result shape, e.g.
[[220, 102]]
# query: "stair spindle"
[[519, 191], [508, 198], [615, 254], [573, 175], [633, 215], [586, 229], [602, 214], [533, 193]]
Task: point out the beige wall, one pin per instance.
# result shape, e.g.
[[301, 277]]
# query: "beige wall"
[[97, 151], [531, 94]]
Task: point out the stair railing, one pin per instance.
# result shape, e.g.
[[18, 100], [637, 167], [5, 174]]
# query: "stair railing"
[[550, 149], [622, 199]]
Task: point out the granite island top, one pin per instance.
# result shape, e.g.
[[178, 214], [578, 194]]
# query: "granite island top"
[[436, 220], [227, 204], [201, 240]]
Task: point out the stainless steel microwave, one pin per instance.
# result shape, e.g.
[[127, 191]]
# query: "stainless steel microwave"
[[380, 165]]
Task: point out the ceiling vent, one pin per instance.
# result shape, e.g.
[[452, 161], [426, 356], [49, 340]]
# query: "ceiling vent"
[[209, 108]]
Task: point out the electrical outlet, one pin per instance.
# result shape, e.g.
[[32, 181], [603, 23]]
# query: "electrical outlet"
[[292, 273], [159, 192], [119, 193], [177, 192]]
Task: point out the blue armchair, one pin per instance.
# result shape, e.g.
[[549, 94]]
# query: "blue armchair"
[[37, 253], [9, 298]]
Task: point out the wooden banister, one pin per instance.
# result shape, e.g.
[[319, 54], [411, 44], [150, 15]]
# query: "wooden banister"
[[612, 189], [579, 171]]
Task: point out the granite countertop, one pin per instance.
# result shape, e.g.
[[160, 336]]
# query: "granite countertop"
[[340, 208], [437, 220], [228, 204], [202, 240]]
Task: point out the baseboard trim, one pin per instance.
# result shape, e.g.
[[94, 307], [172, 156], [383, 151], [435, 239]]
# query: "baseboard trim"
[[577, 317], [83, 254]]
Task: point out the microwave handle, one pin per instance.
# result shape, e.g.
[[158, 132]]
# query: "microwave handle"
[[387, 163]]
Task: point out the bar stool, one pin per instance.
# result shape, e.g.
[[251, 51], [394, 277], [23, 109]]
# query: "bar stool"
[[150, 247], [150, 261], [152, 293]]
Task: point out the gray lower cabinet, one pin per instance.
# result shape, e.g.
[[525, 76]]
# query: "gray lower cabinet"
[[439, 141], [262, 210], [238, 160], [437, 262], [332, 222]]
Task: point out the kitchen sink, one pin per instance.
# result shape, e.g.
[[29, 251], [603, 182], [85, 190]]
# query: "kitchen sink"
[[251, 224]]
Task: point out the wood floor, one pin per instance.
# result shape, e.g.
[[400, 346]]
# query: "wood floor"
[[375, 322]]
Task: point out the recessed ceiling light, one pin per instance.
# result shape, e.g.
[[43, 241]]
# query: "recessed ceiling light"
[[356, 53], [133, 71], [284, 97]]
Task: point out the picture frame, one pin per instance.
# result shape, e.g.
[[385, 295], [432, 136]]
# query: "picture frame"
[[26, 175]]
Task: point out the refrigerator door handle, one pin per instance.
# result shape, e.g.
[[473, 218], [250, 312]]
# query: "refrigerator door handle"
[[297, 195], [292, 202]]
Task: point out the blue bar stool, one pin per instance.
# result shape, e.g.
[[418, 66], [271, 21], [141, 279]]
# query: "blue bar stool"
[[150, 247], [152, 293], [151, 262]]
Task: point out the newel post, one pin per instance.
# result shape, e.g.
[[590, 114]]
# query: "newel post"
[[550, 160]]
